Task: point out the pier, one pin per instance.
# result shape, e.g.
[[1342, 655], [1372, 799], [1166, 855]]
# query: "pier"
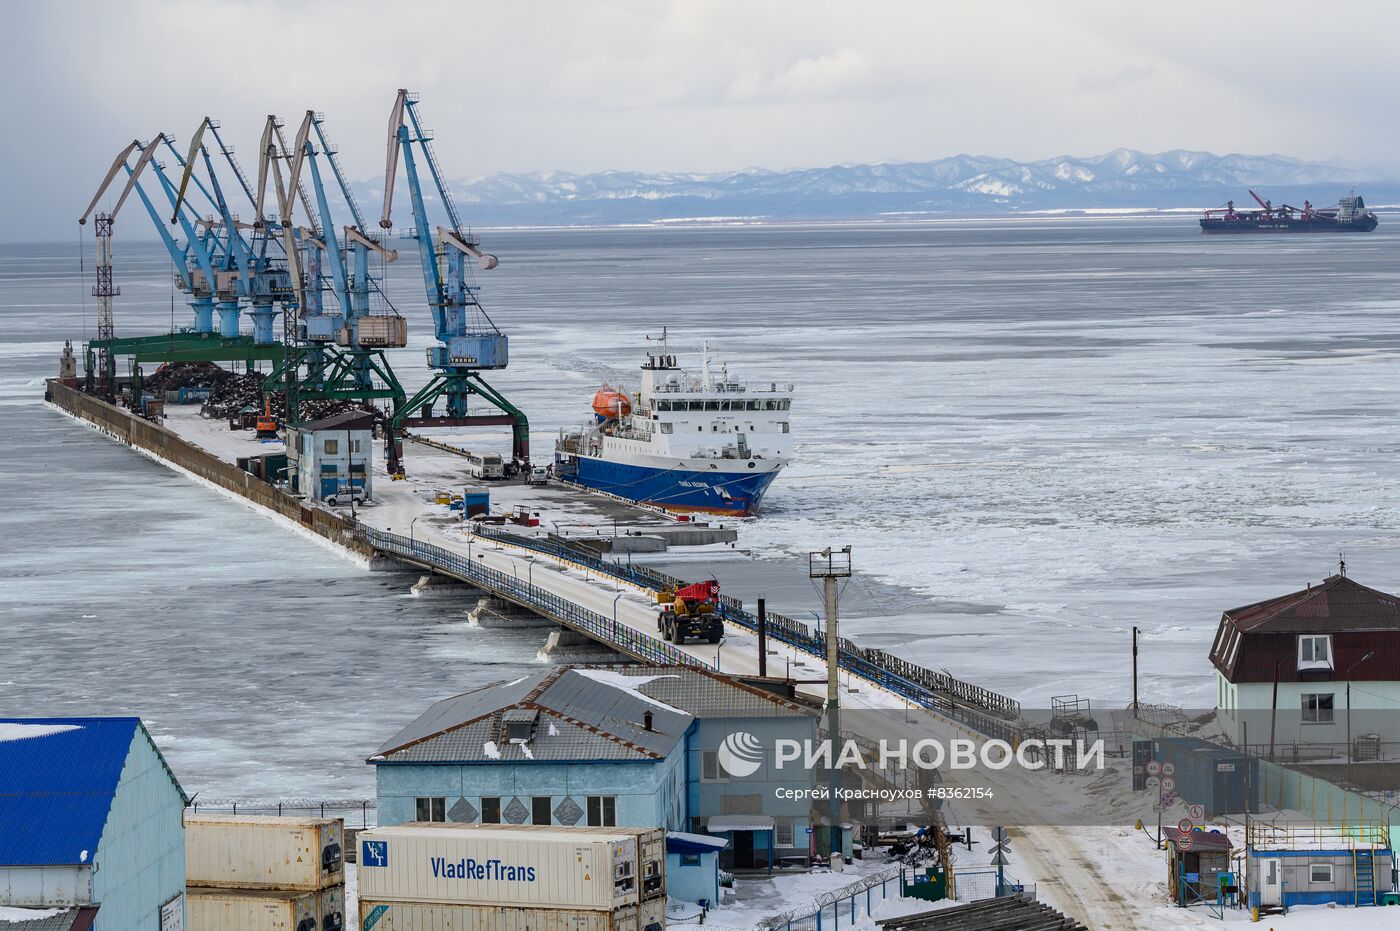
[[609, 602]]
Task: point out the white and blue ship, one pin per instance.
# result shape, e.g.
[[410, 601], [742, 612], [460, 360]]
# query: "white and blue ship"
[[703, 444]]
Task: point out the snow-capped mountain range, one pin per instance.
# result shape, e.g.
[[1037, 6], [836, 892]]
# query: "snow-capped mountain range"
[[962, 184]]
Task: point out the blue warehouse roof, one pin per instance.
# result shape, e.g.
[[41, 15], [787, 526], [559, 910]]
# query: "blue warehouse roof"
[[58, 777]]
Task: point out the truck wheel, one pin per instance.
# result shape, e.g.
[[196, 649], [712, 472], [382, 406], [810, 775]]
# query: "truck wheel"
[[677, 636], [715, 638]]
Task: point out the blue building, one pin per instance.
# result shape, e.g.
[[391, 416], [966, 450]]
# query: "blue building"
[[92, 822], [692, 867], [624, 745]]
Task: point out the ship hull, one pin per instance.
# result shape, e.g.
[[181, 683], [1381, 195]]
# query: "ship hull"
[[1286, 226], [735, 494]]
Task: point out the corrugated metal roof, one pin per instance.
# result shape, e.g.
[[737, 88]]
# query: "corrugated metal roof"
[[708, 695], [1338, 604], [1252, 638], [555, 739], [459, 709], [586, 713], [57, 780], [69, 919]]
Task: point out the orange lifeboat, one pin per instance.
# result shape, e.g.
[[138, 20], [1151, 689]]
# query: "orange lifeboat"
[[611, 404]]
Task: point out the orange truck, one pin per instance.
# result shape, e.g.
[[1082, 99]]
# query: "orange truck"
[[691, 611]]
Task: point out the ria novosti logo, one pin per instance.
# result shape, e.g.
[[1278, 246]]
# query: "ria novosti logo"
[[740, 754]]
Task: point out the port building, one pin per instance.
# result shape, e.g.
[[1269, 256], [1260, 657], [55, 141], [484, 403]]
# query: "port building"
[[604, 746], [332, 456], [93, 834], [1334, 650]]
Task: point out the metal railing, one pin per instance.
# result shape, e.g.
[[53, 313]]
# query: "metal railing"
[[520, 591], [979, 708], [351, 810]]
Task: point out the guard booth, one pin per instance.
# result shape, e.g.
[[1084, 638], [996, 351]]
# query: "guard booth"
[[1198, 867]]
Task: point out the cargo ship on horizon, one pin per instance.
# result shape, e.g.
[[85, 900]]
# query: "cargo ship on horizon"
[[1349, 216], [705, 444]]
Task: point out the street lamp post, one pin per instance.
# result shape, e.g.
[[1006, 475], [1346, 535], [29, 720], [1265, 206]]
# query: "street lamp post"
[[410, 531], [1350, 753], [615, 600], [530, 573]]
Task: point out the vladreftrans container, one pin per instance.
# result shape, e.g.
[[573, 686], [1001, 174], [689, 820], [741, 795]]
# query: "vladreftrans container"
[[264, 910], [263, 852], [418, 916], [524, 865]]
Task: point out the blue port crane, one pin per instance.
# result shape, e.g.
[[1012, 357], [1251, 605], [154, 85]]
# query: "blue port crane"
[[469, 342], [339, 353], [205, 269]]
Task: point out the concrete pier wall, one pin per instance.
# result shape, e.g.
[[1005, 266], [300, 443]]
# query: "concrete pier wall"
[[158, 441]]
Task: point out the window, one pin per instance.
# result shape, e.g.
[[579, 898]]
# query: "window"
[[354, 446], [667, 428], [711, 405], [330, 447], [784, 425], [431, 809], [1315, 651], [358, 467], [785, 404], [491, 810], [782, 832], [690, 859], [539, 810], [1320, 873], [602, 811], [1317, 708], [709, 766]]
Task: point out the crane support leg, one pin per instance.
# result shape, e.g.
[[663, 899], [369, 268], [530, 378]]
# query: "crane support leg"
[[456, 385]]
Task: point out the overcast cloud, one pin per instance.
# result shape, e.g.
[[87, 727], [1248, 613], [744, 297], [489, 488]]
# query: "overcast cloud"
[[688, 86]]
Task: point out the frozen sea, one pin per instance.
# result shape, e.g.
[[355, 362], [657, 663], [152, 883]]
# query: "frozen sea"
[[1035, 434]]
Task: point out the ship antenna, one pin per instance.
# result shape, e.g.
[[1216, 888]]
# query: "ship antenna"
[[705, 365]]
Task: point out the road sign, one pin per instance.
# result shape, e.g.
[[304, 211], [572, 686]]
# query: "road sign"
[[1168, 800], [999, 858], [1197, 813], [999, 835], [1185, 825], [1168, 784], [1184, 842], [1153, 781], [1168, 769], [1154, 768], [998, 848]]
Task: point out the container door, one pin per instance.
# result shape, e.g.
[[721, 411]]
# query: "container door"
[[1271, 883]]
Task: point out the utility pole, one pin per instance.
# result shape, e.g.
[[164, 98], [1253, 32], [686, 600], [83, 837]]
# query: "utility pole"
[[1135, 654], [1273, 714], [830, 565], [762, 639]]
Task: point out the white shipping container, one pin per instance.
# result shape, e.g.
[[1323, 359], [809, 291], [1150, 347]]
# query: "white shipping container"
[[252, 910], [474, 864], [263, 852], [418, 916]]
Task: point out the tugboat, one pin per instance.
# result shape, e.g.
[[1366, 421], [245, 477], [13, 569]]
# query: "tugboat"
[[1349, 216], [706, 443]]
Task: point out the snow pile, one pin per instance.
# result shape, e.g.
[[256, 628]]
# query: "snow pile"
[[30, 731], [629, 684]]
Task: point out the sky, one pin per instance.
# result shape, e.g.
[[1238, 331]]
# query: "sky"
[[654, 85]]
